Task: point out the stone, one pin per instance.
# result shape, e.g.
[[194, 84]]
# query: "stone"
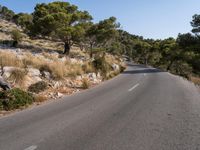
[[46, 75], [115, 67], [33, 72], [59, 95], [4, 85], [7, 71], [92, 76]]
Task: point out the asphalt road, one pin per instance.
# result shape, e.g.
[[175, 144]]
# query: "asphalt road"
[[141, 109]]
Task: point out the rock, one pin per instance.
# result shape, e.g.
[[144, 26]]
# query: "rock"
[[4, 85], [33, 72], [92, 76], [98, 75], [115, 67], [46, 75], [57, 84], [79, 78], [59, 95], [7, 71], [31, 80]]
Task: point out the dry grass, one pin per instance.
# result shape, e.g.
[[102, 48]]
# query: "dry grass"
[[10, 59], [196, 80], [74, 70], [40, 98], [58, 70], [18, 76], [85, 83], [88, 67]]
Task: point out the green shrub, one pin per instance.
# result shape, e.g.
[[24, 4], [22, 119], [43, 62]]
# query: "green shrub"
[[37, 87], [181, 68], [16, 36], [14, 99], [100, 64]]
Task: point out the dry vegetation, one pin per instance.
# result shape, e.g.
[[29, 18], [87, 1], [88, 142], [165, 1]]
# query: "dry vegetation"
[[196, 80]]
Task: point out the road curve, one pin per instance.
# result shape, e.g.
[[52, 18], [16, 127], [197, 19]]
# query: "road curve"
[[141, 109]]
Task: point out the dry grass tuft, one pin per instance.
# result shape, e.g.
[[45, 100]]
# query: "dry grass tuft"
[[18, 76], [196, 80], [40, 98], [85, 83], [10, 59]]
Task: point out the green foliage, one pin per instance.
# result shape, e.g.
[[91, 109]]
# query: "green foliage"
[[60, 20], [101, 65], [14, 99], [16, 36], [38, 87], [102, 34], [196, 24], [24, 20], [6, 13]]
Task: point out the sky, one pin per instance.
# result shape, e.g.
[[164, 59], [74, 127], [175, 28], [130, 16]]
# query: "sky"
[[157, 19]]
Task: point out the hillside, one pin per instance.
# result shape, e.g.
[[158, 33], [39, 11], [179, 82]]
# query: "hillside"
[[39, 67]]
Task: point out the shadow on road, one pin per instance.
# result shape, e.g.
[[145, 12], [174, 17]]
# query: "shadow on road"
[[141, 69]]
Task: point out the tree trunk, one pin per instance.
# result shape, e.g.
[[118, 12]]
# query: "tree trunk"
[[67, 48], [91, 50]]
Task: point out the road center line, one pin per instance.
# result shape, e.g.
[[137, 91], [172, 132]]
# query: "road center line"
[[131, 89], [33, 147]]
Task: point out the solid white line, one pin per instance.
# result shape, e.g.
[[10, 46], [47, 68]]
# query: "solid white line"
[[131, 89], [33, 147]]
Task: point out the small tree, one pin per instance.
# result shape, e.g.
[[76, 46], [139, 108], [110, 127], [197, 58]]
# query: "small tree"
[[101, 34], [16, 36]]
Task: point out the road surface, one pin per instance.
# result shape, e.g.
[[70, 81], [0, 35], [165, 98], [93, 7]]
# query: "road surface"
[[141, 109]]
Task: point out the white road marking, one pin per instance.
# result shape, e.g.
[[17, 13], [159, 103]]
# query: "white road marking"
[[33, 147], [131, 89]]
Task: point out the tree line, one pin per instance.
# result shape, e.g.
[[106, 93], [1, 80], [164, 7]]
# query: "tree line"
[[62, 21]]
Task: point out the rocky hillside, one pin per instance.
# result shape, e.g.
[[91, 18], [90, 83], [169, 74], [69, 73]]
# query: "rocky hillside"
[[39, 67]]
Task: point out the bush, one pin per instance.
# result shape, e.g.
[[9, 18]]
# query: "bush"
[[15, 99], [37, 87], [85, 84], [100, 64], [16, 36], [181, 68]]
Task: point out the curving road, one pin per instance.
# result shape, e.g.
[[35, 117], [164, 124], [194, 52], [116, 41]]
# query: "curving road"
[[141, 109]]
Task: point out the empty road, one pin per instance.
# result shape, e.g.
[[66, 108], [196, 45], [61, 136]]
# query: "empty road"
[[141, 109]]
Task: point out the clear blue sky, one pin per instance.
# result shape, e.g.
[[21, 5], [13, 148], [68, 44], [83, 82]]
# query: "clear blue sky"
[[156, 19]]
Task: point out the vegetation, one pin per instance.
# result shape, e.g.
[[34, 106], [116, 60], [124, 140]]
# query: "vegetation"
[[16, 36], [85, 84], [14, 99], [18, 76], [38, 87]]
